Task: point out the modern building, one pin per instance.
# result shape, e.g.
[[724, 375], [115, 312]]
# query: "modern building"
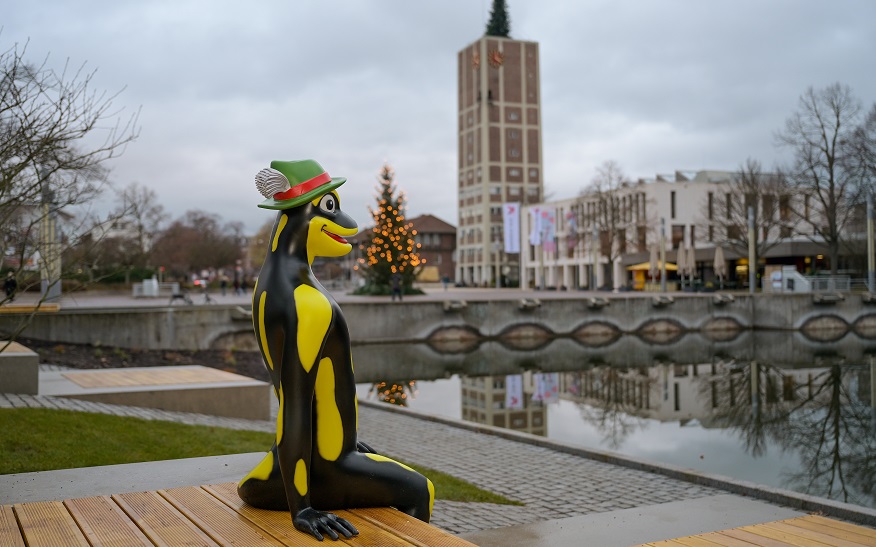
[[437, 240], [500, 151], [575, 244]]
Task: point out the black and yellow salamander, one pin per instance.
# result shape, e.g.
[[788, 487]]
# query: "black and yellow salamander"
[[316, 463]]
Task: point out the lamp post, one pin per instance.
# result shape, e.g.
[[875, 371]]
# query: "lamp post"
[[594, 238], [662, 254], [50, 271], [497, 248], [752, 267], [871, 269]]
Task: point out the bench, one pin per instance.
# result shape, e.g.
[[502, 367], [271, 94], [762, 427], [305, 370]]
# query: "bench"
[[194, 515]]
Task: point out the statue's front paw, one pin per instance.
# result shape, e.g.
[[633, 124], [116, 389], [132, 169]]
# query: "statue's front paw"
[[317, 523]]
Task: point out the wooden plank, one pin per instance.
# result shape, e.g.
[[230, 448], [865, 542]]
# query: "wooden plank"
[[276, 523], [9, 532], [152, 377], [840, 525], [104, 523], [845, 535], [372, 535], [217, 520], [160, 521], [725, 540], [696, 541], [810, 535], [665, 543], [755, 539], [411, 528], [48, 523], [781, 535]]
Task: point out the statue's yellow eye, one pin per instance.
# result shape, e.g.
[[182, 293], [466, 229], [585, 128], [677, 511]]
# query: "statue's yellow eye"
[[328, 203]]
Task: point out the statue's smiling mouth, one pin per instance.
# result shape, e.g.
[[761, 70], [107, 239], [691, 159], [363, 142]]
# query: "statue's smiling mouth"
[[336, 237]]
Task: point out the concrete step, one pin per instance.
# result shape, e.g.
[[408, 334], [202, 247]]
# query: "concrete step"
[[197, 389]]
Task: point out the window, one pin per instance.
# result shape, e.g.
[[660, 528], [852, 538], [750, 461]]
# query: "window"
[[672, 204], [711, 206], [784, 207], [677, 236]]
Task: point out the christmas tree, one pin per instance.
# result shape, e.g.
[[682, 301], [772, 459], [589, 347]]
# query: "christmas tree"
[[499, 24], [391, 249]]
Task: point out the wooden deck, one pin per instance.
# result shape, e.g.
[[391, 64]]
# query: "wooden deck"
[[811, 530], [206, 515]]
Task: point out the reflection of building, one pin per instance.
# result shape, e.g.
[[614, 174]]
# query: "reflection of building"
[[499, 124], [483, 402], [668, 392]]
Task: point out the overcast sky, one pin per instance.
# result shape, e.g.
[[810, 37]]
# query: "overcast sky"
[[226, 87]]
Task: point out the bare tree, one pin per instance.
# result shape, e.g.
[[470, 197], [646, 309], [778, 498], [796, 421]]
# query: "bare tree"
[[767, 194], [607, 191], [140, 211], [196, 242], [56, 134], [826, 169]]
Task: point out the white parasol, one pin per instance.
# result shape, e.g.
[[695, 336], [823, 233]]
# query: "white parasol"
[[653, 263], [720, 265]]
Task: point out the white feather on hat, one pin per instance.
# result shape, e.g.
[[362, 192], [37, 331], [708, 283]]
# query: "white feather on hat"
[[270, 181]]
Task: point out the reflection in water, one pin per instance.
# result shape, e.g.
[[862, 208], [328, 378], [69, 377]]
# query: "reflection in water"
[[807, 428], [394, 393]]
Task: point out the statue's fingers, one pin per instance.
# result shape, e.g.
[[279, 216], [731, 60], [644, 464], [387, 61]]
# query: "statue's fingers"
[[325, 524], [346, 527]]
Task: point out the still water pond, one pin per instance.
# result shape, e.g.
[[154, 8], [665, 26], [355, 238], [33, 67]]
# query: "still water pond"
[[802, 420]]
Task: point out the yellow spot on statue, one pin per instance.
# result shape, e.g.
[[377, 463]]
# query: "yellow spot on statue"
[[280, 225], [431, 495], [379, 458], [301, 477], [314, 317], [262, 334], [263, 470], [280, 415], [329, 427]]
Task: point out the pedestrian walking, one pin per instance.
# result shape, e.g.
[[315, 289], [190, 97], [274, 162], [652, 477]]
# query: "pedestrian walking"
[[395, 284], [10, 285]]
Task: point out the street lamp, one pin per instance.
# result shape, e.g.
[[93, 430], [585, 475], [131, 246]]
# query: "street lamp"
[[50, 272], [497, 249]]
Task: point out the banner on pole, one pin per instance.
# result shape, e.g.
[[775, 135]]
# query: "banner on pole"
[[535, 231], [511, 218], [514, 392]]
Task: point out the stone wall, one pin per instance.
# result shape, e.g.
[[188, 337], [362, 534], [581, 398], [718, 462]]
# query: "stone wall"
[[654, 318]]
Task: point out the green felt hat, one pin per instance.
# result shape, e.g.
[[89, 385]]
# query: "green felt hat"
[[288, 184]]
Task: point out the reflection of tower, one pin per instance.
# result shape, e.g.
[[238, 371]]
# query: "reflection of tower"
[[484, 398]]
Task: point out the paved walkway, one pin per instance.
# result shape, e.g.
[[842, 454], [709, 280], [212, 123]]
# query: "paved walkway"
[[551, 484]]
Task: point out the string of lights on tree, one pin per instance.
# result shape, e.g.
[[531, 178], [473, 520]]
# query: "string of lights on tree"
[[392, 248]]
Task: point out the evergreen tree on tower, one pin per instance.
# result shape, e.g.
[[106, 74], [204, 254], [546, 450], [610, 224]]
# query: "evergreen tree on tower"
[[499, 24]]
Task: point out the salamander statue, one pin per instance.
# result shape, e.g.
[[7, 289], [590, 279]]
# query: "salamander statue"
[[316, 463]]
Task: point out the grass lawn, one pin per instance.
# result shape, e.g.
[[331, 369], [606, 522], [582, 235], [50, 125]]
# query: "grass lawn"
[[41, 439]]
